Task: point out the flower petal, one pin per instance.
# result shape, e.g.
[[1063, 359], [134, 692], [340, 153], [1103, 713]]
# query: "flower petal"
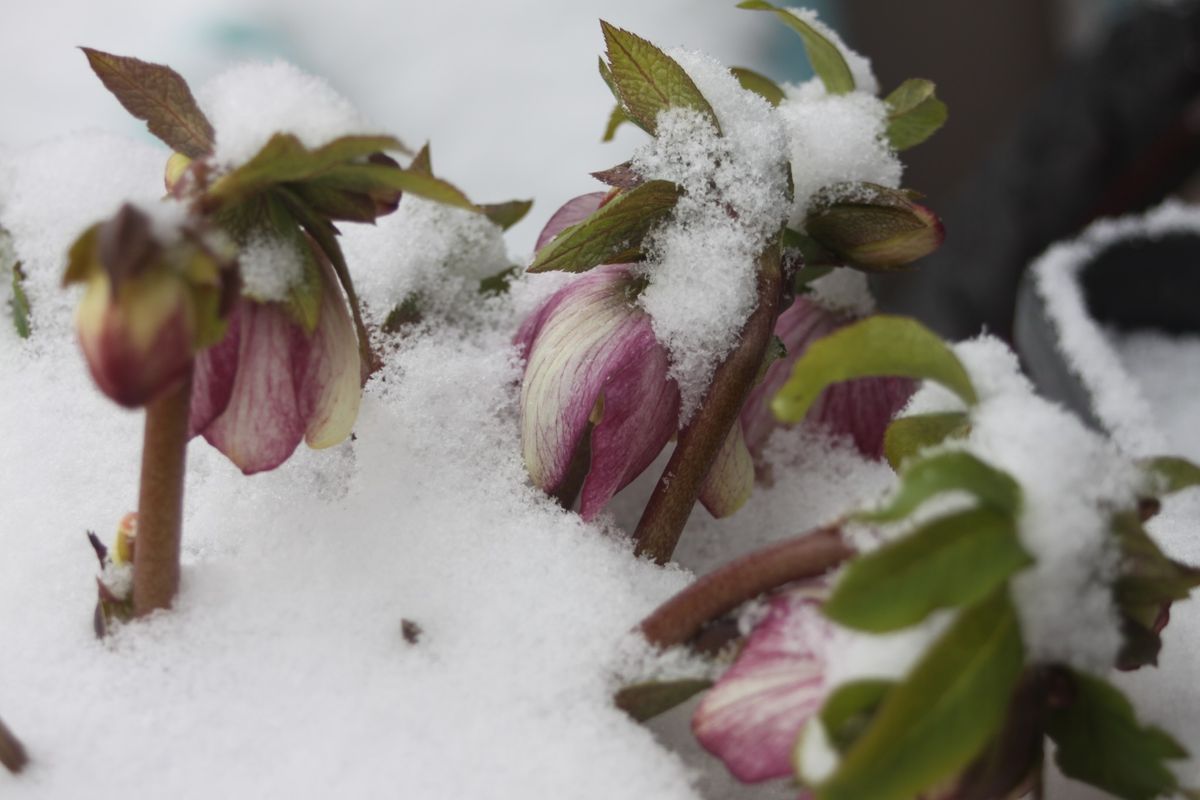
[[262, 422], [731, 480], [574, 210], [212, 380], [640, 413], [330, 385], [750, 719], [589, 333]]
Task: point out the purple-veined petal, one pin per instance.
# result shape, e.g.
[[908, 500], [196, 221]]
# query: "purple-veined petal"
[[731, 480], [574, 210], [589, 332], [329, 379], [750, 719], [639, 412], [212, 379], [262, 422]]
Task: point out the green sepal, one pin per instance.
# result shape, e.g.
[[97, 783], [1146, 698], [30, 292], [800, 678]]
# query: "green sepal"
[[914, 113], [643, 701], [953, 470], [953, 561], [827, 60], [1175, 473], [851, 708], [907, 436], [498, 283], [508, 213], [881, 345], [613, 234], [1101, 742], [648, 81], [18, 304], [81, 257], [942, 716], [760, 84]]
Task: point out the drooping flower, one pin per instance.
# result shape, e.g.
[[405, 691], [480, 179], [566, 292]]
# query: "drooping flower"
[[753, 715], [269, 384]]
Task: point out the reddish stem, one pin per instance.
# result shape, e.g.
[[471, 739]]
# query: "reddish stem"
[[12, 753], [160, 501], [662, 521], [683, 616]]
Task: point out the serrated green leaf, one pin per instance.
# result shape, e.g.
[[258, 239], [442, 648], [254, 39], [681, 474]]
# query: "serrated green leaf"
[[950, 562], [907, 436], [955, 470], [877, 346], [648, 81], [914, 113], [760, 84], [613, 234], [943, 715], [849, 710], [508, 213], [157, 95], [1176, 473], [827, 60], [1100, 742], [19, 302], [643, 701]]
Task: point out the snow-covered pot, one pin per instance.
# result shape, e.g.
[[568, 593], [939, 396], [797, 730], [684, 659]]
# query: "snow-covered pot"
[[1099, 317]]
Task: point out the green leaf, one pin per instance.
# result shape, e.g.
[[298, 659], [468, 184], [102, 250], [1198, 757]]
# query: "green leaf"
[[1101, 743], [850, 709], [908, 436], [827, 60], [643, 701], [760, 84], [19, 302], [1177, 473], [914, 113], [303, 301], [877, 346], [498, 283], [943, 715], [615, 120], [950, 562], [508, 213], [158, 96], [955, 470], [648, 81], [613, 234]]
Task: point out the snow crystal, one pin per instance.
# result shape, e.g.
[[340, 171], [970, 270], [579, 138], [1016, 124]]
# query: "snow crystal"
[[1167, 371], [270, 266], [860, 65], [1072, 479], [251, 102], [845, 291], [834, 138], [702, 264]]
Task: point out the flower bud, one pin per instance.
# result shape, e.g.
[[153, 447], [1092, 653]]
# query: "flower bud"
[[872, 227]]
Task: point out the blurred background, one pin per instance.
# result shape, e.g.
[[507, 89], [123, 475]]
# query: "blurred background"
[[1059, 111]]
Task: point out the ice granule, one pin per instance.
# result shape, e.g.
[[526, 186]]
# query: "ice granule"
[[702, 264], [249, 103], [270, 266], [845, 291]]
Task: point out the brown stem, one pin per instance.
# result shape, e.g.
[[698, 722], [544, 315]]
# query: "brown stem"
[[679, 619], [160, 501], [12, 753], [662, 522]]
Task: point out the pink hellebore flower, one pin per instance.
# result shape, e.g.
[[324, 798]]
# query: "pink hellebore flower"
[[268, 384], [592, 357], [753, 715], [861, 409]]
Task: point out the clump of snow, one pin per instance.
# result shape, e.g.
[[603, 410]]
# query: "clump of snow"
[[702, 264], [860, 65], [1072, 480], [1118, 401], [844, 291], [270, 266], [834, 138], [250, 103], [425, 249], [1166, 370]]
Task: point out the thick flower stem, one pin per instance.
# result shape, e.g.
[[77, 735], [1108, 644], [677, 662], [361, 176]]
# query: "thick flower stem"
[[160, 501], [683, 616], [12, 753], [662, 521]]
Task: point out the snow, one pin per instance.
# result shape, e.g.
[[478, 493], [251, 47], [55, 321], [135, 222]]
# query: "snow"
[[1166, 370], [251, 102], [269, 268], [702, 263], [844, 291], [860, 65]]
